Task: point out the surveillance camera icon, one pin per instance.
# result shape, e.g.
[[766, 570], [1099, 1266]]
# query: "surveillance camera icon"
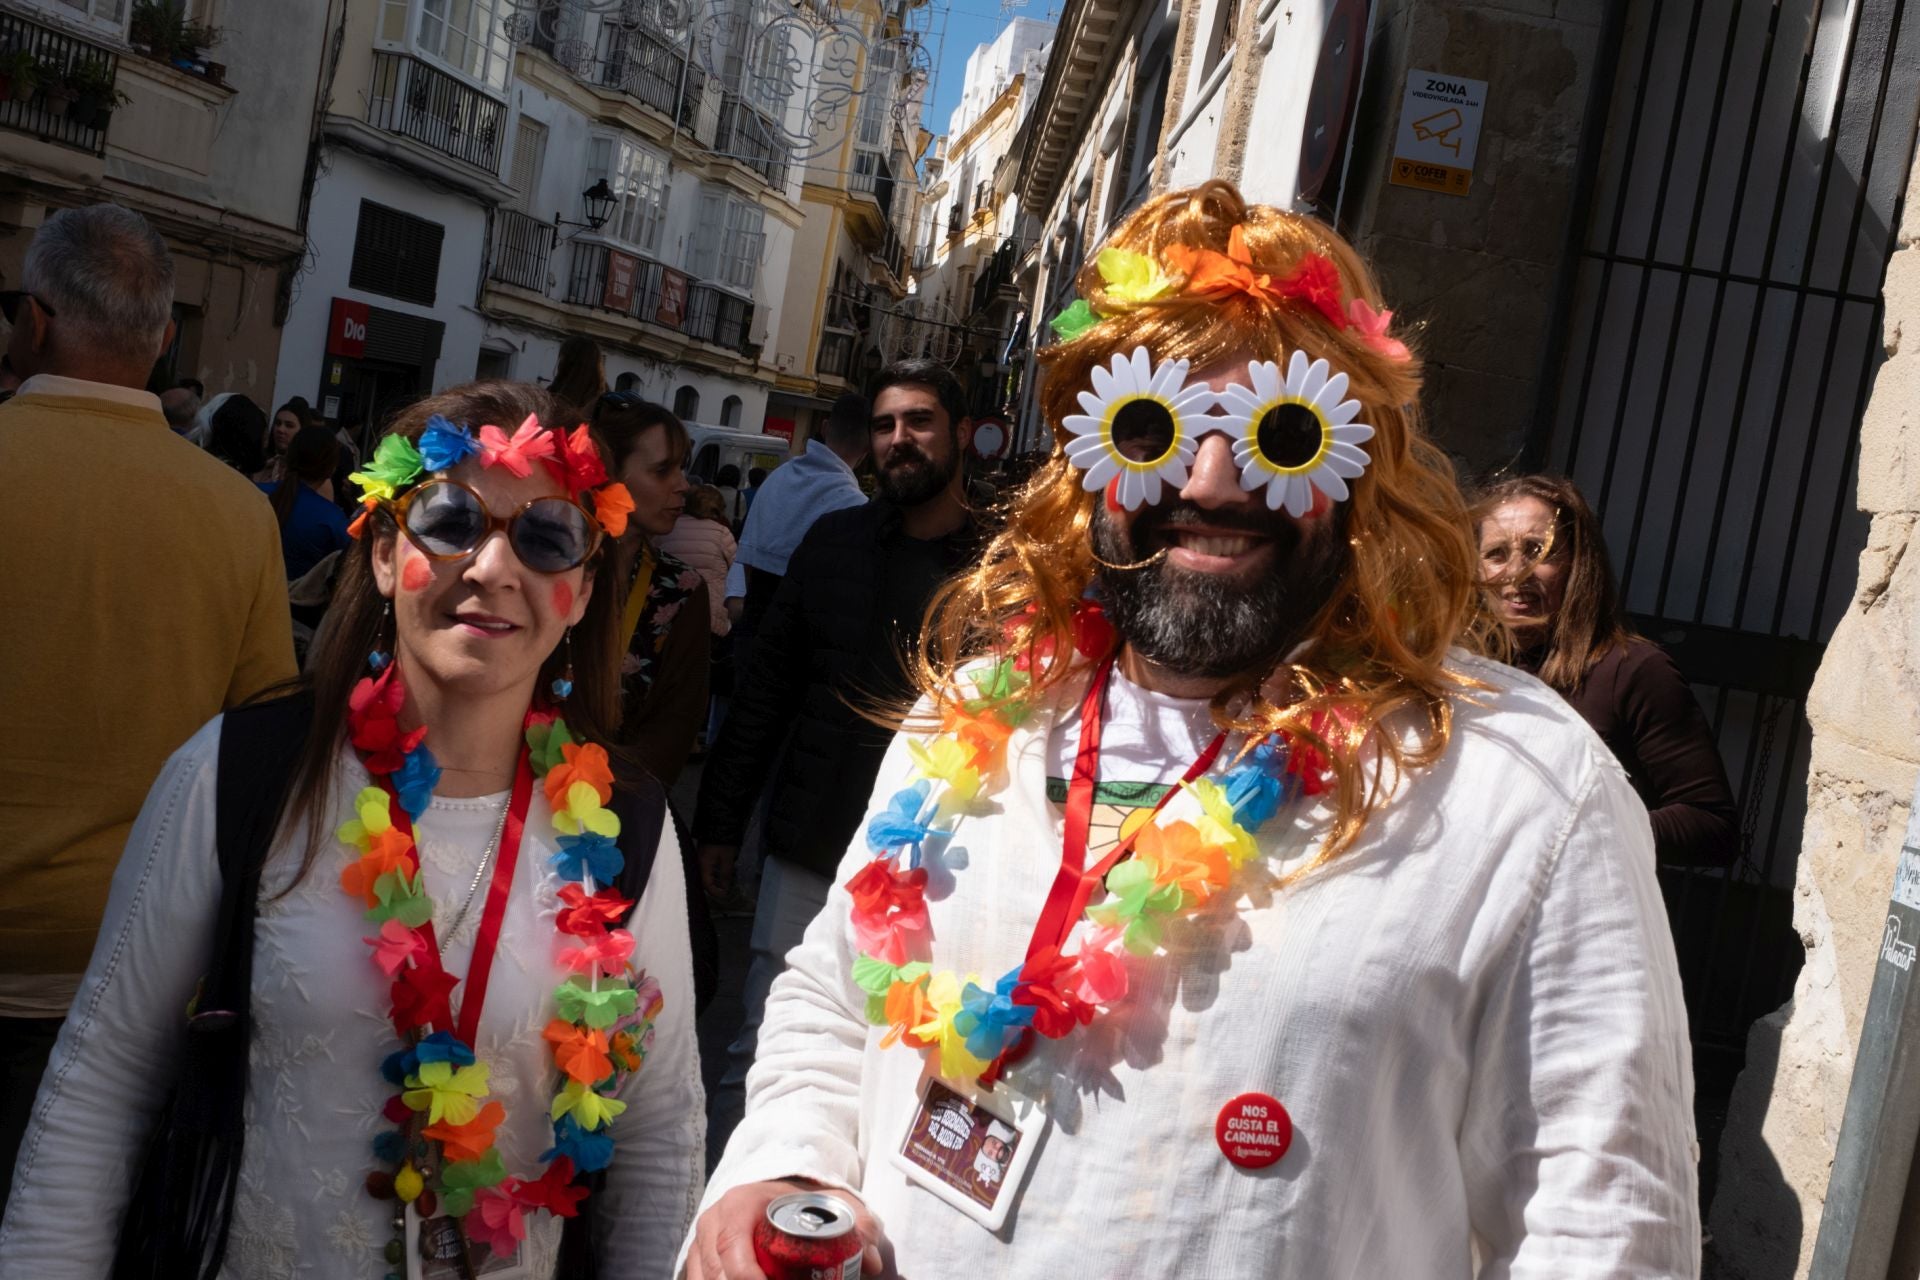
[[1439, 128]]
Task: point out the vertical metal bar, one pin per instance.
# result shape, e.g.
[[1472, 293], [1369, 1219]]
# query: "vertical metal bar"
[[1855, 421], [1827, 166], [1745, 381], [1719, 299], [1681, 300], [1656, 218], [1613, 244]]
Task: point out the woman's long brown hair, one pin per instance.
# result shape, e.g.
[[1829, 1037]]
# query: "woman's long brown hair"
[[1588, 624], [1408, 589], [356, 625]]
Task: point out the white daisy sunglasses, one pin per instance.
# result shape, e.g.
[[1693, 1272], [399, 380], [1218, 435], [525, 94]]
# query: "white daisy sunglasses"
[[1143, 424]]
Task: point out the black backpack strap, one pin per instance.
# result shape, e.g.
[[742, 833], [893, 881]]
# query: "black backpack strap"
[[176, 1223], [640, 802]]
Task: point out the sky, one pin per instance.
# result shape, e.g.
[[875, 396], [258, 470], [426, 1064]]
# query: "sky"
[[969, 23]]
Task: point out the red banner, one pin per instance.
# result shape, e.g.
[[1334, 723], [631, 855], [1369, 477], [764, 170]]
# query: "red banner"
[[622, 268], [782, 427], [673, 299]]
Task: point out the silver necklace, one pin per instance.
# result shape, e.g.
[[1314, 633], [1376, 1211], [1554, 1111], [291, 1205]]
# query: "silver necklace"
[[486, 860]]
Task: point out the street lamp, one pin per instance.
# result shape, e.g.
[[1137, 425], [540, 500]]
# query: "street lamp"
[[598, 201]]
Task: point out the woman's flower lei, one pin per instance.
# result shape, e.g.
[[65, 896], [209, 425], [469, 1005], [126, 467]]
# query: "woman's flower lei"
[[1176, 868], [399, 463], [443, 1139]]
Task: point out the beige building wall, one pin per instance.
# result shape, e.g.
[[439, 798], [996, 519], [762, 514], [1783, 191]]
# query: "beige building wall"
[[1865, 714]]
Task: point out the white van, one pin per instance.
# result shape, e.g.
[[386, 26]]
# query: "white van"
[[712, 448]]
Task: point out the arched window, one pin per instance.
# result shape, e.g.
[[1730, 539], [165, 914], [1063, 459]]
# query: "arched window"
[[627, 382], [686, 404], [730, 411]]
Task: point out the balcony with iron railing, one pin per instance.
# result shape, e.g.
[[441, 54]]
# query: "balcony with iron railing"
[[872, 176], [54, 86], [836, 354], [746, 135], [522, 245], [645, 66], [708, 313], [440, 111], [997, 275]]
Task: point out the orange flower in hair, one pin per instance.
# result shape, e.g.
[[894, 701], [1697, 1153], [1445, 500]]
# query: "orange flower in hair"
[[1210, 272]]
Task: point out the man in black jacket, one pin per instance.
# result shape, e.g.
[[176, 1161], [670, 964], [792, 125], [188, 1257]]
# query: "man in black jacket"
[[834, 639]]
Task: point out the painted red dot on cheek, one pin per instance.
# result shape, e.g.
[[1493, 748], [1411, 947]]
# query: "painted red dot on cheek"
[[416, 575], [562, 598], [1113, 495]]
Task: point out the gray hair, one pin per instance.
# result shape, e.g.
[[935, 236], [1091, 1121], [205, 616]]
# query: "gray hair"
[[106, 274]]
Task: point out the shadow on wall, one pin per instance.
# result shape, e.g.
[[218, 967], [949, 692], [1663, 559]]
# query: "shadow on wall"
[[1757, 1238]]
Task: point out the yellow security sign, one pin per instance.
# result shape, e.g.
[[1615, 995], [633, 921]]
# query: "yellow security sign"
[[1439, 132]]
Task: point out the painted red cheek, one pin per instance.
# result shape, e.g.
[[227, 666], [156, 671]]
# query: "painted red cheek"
[[416, 575], [562, 598], [1113, 495], [1321, 504]]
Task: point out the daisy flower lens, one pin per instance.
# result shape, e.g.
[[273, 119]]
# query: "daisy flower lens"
[[1296, 434], [1138, 427]]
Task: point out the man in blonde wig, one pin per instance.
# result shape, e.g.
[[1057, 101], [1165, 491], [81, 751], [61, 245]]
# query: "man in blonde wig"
[[1284, 938]]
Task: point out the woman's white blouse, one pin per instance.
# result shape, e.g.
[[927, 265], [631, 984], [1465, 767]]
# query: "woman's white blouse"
[[320, 1032]]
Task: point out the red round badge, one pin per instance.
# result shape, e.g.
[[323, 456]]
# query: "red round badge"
[[1254, 1130]]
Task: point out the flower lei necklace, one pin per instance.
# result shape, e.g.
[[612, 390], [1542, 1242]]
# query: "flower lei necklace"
[[443, 1139], [1176, 868]]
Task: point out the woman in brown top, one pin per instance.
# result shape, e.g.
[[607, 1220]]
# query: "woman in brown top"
[[1548, 580], [664, 620]]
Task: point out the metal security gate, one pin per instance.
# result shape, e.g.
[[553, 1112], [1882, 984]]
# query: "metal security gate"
[[1719, 334]]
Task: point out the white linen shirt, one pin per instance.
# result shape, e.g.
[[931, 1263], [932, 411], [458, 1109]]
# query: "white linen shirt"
[[314, 1089], [1473, 1017]]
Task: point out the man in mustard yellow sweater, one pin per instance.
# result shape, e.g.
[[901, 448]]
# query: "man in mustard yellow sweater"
[[141, 592]]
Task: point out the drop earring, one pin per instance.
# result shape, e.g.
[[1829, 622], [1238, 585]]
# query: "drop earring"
[[563, 683], [378, 658]]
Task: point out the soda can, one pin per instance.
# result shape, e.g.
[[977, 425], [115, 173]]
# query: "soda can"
[[808, 1236]]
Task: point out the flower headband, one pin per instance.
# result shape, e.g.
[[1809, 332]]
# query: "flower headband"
[[1133, 278], [1143, 423], [398, 463]]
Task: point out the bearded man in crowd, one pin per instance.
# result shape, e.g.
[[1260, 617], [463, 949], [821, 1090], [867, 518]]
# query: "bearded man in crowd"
[[1287, 939]]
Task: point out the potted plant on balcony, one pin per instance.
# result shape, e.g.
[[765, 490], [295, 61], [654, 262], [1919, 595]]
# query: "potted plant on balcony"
[[95, 94], [19, 75], [165, 33], [56, 89]]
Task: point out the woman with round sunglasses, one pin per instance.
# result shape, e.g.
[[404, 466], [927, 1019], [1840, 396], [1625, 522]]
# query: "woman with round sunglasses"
[[663, 620], [466, 1045]]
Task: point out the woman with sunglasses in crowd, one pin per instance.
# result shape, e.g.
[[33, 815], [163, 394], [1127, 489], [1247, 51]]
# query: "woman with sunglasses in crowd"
[[464, 1041], [663, 622]]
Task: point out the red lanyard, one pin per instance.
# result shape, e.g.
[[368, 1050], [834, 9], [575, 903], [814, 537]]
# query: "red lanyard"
[[1073, 884], [480, 967]]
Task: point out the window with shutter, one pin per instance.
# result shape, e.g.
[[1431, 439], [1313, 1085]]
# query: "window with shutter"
[[703, 252], [741, 265], [396, 254], [529, 151]]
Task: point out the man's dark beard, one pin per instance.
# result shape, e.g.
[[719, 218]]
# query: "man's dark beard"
[[1202, 624], [911, 477]]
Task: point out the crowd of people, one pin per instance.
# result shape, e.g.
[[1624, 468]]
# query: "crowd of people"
[[1241, 842]]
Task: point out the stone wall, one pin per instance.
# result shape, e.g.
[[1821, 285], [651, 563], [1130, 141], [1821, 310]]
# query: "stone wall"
[[1864, 711], [1477, 272]]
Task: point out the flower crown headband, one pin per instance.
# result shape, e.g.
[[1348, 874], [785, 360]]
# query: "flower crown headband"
[[1134, 278], [398, 463]]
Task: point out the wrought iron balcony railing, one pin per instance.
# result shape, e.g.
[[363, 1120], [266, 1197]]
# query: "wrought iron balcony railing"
[[709, 314], [62, 89], [422, 102], [521, 247], [643, 65], [749, 137], [836, 354]]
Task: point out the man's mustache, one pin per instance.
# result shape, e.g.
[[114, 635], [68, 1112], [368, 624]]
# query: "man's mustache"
[[1155, 522]]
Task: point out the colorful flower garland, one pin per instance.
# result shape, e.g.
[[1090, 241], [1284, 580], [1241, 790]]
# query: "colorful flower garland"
[[1133, 279], [573, 458], [607, 1012], [1176, 868]]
